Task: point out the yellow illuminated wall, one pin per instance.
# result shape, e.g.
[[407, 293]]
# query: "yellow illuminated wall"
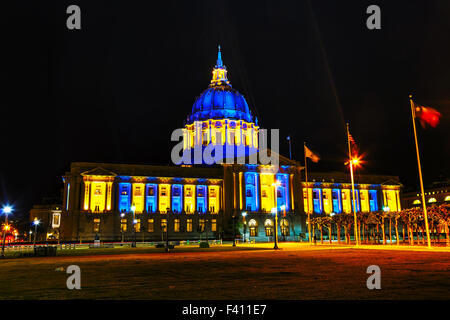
[[189, 198], [208, 131], [307, 200], [164, 197], [346, 201], [267, 191], [327, 201], [364, 197], [98, 196], [138, 199], [390, 199], [213, 199]]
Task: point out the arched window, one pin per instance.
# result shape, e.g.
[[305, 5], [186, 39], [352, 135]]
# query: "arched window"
[[416, 202], [431, 200], [447, 198], [268, 226], [253, 226], [284, 226]]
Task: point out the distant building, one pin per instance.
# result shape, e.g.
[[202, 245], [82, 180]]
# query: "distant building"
[[433, 196], [187, 202], [49, 215]]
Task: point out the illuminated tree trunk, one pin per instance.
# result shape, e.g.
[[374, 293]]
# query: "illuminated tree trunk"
[[382, 230], [378, 235], [338, 227], [447, 238], [390, 231], [422, 235], [314, 233], [411, 237], [321, 234], [403, 232], [396, 233]]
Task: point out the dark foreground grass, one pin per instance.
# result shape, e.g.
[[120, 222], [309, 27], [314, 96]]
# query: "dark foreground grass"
[[231, 274]]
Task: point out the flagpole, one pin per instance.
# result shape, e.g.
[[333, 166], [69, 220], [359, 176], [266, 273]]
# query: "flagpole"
[[290, 154], [307, 193], [425, 214], [353, 186]]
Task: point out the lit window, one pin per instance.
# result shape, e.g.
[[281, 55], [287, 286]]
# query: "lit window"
[[201, 225], [416, 202], [150, 226], [96, 225], [253, 225], [189, 225], [284, 226], [176, 225], [447, 198], [268, 225], [123, 225], [213, 225], [137, 225], [164, 225], [431, 200]]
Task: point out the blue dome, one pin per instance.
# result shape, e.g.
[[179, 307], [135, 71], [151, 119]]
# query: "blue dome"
[[219, 102]]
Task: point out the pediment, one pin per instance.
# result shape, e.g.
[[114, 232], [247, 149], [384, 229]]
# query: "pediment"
[[99, 171]]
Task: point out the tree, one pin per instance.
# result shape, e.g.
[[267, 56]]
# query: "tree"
[[328, 223], [337, 219]]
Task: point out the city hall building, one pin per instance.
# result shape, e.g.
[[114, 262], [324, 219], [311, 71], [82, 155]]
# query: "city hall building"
[[111, 202]]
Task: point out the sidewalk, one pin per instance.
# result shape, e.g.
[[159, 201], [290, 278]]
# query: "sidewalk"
[[327, 246]]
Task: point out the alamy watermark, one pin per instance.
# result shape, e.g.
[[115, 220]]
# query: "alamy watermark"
[[226, 153]]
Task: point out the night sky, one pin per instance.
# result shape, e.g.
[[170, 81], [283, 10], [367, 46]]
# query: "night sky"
[[116, 89]]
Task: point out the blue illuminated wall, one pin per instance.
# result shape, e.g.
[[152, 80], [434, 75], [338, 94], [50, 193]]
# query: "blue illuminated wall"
[[124, 196], [317, 200], [373, 201], [283, 191], [251, 191], [358, 206], [336, 196], [151, 197], [201, 199], [177, 198]]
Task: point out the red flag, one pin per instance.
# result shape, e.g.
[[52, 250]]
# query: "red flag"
[[354, 146], [427, 115]]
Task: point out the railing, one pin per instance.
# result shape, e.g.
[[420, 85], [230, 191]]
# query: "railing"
[[73, 246]]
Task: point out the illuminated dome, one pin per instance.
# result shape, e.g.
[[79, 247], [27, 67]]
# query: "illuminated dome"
[[220, 100]]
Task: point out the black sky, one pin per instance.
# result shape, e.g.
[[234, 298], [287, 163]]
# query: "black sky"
[[115, 90]]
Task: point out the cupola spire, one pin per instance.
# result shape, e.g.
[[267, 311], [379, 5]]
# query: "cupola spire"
[[219, 72], [219, 62]]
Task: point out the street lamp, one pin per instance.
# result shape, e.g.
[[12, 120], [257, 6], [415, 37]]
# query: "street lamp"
[[275, 245], [234, 231], [133, 209], [283, 209], [275, 211], [121, 228], [35, 223], [6, 210], [244, 214], [354, 162]]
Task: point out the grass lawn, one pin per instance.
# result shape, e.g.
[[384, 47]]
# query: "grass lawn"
[[224, 272]]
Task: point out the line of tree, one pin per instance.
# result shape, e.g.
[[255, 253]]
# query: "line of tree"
[[379, 226]]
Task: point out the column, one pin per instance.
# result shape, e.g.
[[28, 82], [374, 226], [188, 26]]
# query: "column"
[[86, 195], [108, 195]]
